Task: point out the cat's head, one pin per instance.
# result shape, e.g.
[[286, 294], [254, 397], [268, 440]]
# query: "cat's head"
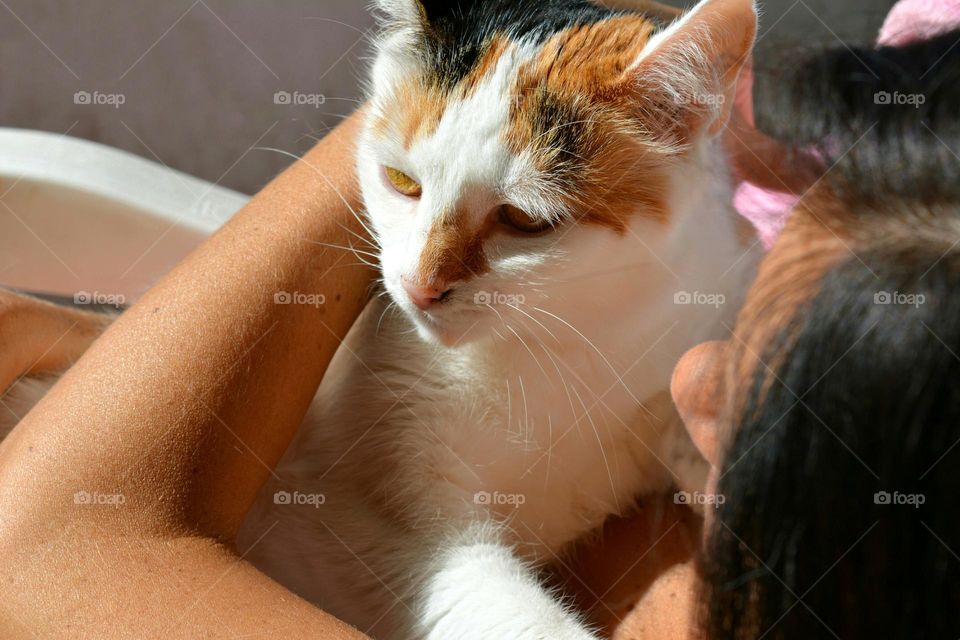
[[513, 144]]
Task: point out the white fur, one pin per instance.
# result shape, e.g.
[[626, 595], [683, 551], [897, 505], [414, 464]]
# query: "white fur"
[[405, 434], [554, 407]]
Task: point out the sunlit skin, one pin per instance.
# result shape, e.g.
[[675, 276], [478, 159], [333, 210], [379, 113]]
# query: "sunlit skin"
[[151, 411], [145, 551], [191, 487], [189, 478]]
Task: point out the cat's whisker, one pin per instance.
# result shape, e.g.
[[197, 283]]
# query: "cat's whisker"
[[362, 263], [325, 179], [509, 328], [343, 248], [550, 333], [563, 380], [358, 253], [619, 377], [582, 337], [372, 242], [529, 350], [546, 476], [354, 264], [340, 116], [603, 452], [523, 394], [389, 306], [280, 151], [600, 274]]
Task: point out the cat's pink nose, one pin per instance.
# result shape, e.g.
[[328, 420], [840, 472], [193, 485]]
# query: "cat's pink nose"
[[423, 297]]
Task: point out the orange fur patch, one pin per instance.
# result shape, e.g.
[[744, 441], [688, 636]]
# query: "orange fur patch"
[[590, 60], [416, 108], [575, 112], [453, 251], [595, 153]]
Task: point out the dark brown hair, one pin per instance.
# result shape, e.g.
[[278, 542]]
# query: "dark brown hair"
[[842, 481]]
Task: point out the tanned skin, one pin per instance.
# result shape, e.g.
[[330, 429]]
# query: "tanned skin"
[[184, 405]]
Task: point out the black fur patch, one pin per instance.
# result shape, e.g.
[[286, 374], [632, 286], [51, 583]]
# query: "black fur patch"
[[459, 31]]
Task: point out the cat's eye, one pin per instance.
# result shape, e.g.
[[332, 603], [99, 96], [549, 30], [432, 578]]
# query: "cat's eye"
[[521, 220], [404, 184]]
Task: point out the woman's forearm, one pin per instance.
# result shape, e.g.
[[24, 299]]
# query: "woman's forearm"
[[193, 394], [57, 337], [178, 413]]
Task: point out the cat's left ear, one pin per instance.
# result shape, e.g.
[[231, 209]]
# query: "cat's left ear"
[[685, 78]]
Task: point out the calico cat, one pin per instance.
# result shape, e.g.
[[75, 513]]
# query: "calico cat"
[[551, 210]]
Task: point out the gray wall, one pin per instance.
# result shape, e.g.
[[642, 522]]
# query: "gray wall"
[[198, 77]]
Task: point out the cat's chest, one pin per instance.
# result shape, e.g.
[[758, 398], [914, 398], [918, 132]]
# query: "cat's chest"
[[553, 455]]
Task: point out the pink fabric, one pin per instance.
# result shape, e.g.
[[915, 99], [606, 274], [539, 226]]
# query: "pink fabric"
[[766, 209], [913, 20], [908, 21]]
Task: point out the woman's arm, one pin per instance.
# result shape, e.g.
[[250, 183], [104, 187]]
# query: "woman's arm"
[[38, 338], [121, 492]]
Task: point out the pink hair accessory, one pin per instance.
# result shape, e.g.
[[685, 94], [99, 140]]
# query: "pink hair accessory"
[[908, 21], [913, 20]]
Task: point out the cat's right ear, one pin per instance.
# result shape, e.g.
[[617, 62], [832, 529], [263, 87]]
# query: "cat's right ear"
[[686, 77]]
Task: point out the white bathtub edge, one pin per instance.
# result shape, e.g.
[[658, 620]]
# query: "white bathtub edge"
[[117, 175]]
